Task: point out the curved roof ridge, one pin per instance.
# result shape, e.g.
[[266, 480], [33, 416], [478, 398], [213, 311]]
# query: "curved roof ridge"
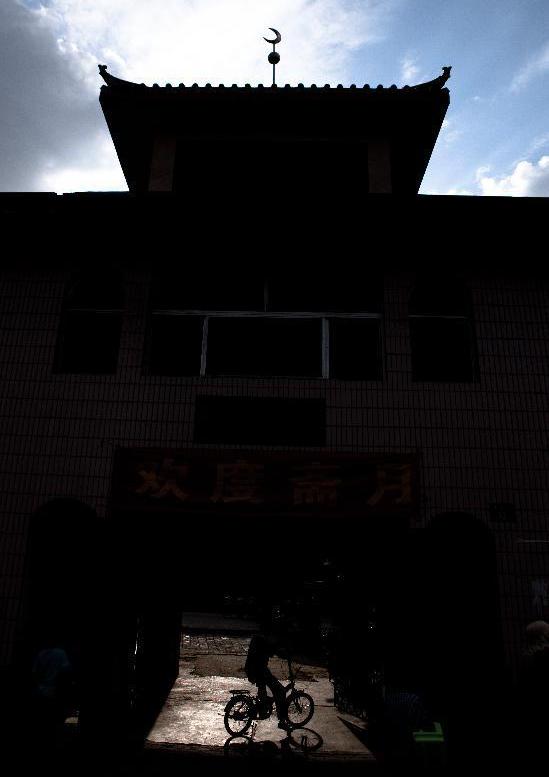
[[436, 83], [111, 80], [429, 86]]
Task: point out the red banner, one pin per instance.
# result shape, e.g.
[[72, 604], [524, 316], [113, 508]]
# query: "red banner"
[[256, 482]]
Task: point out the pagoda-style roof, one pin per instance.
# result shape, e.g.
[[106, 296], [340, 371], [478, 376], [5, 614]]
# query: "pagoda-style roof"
[[429, 87], [409, 117]]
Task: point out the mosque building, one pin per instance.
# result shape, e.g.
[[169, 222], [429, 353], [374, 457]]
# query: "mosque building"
[[272, 361]]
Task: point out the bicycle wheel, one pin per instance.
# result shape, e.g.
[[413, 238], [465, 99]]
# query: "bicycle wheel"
[[300, 708], [239, 713]]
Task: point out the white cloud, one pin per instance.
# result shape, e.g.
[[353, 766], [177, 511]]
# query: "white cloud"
[[215, 40], [105, 174], [541, 142], [45, 113], [462, 192], [449, 133], [538, 65], [528, 179], [455, 190], [409, 70], [52, 133]]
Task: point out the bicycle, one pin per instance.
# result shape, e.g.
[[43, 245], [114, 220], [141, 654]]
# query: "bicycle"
[[243, 708]]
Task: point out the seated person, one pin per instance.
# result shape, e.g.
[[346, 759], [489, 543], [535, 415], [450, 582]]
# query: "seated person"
[[261, 648]]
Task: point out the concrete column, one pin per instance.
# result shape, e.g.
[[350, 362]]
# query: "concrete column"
[[379, 166], [162, 163]]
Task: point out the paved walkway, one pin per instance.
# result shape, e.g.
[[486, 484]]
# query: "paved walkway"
[[212, 664]]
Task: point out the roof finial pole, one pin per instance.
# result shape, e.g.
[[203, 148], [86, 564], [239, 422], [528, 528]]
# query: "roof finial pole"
[[274, 56]]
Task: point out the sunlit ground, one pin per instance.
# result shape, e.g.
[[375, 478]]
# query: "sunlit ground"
[[211, 665]]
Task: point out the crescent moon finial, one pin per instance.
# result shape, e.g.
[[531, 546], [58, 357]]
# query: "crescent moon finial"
[[277, 39], [274, 56]]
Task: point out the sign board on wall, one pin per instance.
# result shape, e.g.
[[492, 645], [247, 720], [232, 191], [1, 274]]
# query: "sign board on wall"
[[251, 481]]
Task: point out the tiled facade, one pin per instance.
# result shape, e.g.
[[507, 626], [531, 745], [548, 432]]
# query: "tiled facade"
[[478, 444]]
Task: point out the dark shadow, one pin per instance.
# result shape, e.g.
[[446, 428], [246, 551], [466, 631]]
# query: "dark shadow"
[[237, 746], [302, 740], [249, 747], [360, 732], [459, 651], [305, 739], [50, 677], [144, 614], [62, 571]]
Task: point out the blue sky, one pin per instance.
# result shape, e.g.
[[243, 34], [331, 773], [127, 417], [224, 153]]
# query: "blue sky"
[[495, 139], [499, 112]]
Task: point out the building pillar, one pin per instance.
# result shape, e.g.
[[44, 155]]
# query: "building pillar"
[[379, 166], [162, 163]]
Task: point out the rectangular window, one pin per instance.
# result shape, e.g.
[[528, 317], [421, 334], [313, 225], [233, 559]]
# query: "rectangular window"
[[231, 324], [264, 346], [244, 421]]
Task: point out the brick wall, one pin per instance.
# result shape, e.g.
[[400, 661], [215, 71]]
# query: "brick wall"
[[479, 443]]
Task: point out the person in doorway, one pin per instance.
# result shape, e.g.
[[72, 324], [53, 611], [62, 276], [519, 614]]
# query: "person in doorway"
[[52, 694], [262, 647]]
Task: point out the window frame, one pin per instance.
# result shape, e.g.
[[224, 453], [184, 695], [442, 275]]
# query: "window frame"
[[373, 311], [69, 310], [324, 317]]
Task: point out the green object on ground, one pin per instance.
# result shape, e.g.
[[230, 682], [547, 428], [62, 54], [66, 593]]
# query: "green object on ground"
[[436, 735]]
